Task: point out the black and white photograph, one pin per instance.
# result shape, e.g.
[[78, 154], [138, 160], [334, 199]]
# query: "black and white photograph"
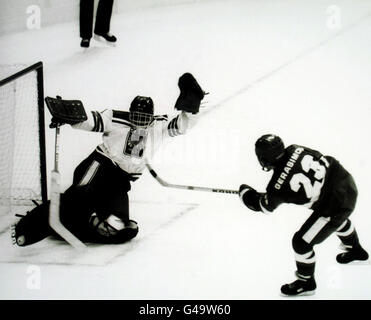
[[185, 150]]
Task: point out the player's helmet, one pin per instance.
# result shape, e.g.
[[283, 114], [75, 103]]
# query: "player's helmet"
[[269, 149], [141, 111]]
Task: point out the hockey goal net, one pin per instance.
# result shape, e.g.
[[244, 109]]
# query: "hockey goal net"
[[22, 139]]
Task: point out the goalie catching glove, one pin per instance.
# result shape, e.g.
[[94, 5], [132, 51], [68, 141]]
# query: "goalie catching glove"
[[191, 94], [65, 111]]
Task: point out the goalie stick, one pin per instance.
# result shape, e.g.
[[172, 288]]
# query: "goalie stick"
[[54, 216], [178, 186]]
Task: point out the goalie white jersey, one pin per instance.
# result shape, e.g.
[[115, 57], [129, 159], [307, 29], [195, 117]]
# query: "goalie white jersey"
[[128, 146]]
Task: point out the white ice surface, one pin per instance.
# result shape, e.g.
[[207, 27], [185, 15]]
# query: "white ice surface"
[[269, 67]]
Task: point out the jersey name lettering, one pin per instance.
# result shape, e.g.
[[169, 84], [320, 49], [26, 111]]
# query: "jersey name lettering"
[[289, 165]]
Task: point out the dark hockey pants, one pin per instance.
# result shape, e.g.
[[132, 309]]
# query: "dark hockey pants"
[[332, 216]]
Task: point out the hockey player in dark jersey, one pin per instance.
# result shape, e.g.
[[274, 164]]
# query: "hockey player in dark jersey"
[[95, 208], [304, 176]]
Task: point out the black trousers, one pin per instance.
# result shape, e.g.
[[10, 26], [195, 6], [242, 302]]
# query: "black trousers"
[[102, 21]]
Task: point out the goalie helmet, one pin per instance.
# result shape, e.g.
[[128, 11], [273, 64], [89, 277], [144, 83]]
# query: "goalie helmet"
[[269, 149], [141, 111]]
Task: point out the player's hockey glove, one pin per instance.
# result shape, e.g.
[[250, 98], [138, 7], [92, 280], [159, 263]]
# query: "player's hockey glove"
[[250, 197], [65, 111], [191, 94]]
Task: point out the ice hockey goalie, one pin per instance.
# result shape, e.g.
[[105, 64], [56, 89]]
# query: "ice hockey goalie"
[[95, 208]]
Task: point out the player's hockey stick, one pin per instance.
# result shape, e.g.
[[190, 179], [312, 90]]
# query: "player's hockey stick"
[[54, 217], [178, 186]]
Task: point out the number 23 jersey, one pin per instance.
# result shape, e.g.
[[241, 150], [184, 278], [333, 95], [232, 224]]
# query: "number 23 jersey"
[[300, 178]]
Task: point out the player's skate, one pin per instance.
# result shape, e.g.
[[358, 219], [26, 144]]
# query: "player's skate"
[[105, 38], [357, 253], [301, 287]]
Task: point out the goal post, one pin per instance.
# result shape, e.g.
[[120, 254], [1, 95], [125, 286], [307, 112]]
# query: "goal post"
[[23, 177]]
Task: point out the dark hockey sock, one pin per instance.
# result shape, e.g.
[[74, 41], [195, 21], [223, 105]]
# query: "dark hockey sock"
[[305, 264], [348, 235]]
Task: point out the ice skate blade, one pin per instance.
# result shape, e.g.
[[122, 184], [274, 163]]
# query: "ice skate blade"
[[102, 40], [302, 294]]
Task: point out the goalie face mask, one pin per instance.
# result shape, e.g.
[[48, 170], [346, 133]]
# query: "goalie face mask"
[[269, 150], [141, 111]]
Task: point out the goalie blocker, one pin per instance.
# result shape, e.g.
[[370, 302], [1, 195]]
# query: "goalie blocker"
[[65, 111]]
